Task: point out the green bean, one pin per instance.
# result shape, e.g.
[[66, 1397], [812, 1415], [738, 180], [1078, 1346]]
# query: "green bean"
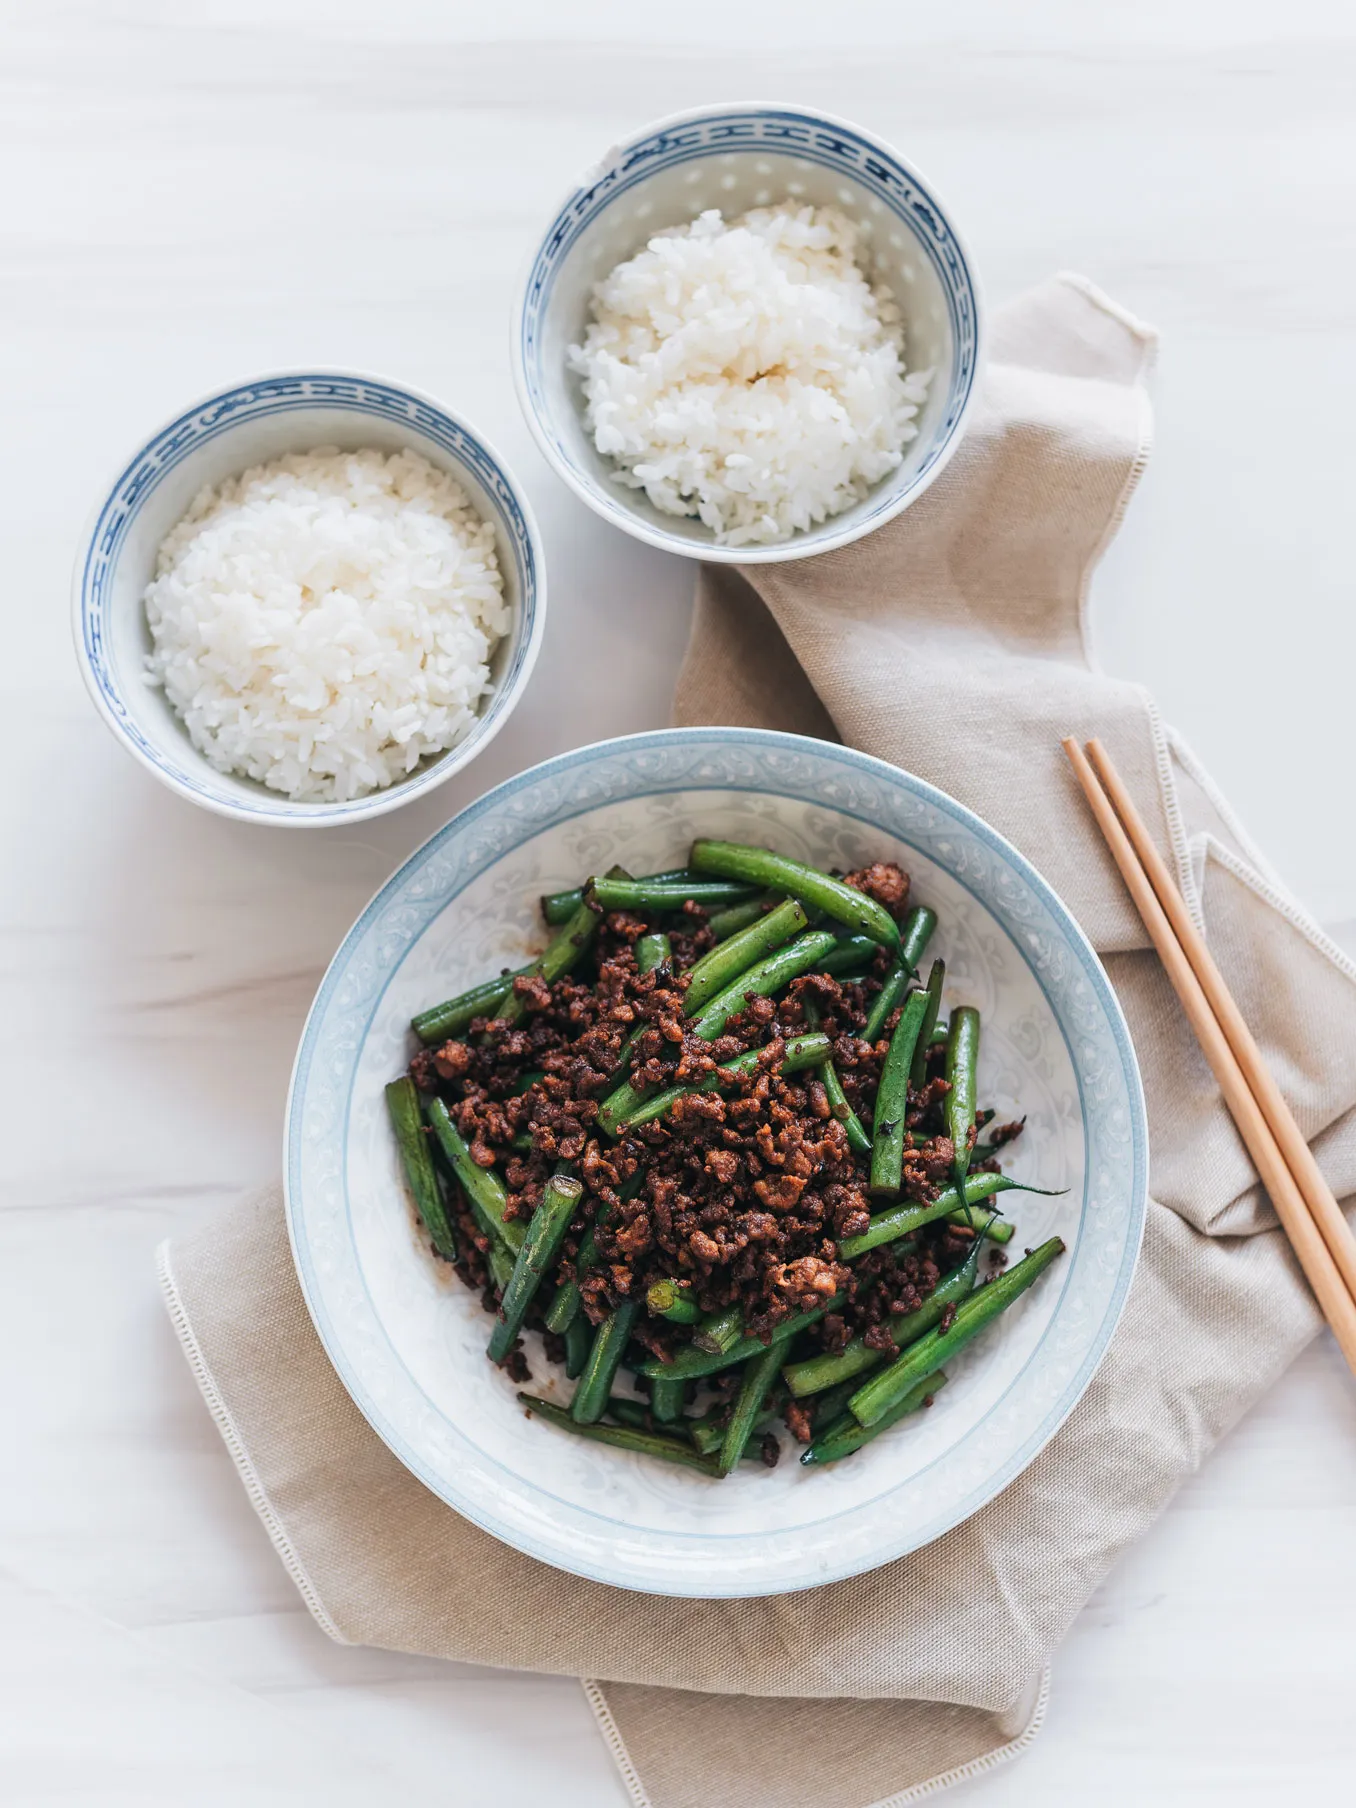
[[623, 1437], [894, 988], [667, 1400], [845, 1435], [831, 1370], [728, 922], [970, 1217], [545, 1233], [757, 866], [564, 1308], [852, 954], [918, 1068], [625, 1411], [725, 962], [962, 1063], [903, 1219], [402, 1102], [652, 951], [884, 1391], [555, 960], [443, 1021], [578, 1343], [669, 1299], [763, 979], [665, 894], [708, 1432], [691, 1364], [799, 1052], [917, 933], [824, 1408], [500, 1264], [760, 1373], [559, 906], [892, 1099], [766, 977], [609, 1346], [833, 1088], [483, 1188], [719, 1331]]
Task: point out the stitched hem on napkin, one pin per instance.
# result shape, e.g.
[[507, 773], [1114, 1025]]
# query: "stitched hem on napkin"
[[230, 1435]]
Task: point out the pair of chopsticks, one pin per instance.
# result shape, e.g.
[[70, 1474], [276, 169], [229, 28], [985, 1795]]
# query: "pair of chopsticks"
[[1304, 1202]]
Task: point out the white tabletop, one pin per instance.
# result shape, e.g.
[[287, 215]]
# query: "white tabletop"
[[203, 191]]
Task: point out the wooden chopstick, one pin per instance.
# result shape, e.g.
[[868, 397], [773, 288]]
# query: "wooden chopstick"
[[1311, 1250], [1318, 1195]]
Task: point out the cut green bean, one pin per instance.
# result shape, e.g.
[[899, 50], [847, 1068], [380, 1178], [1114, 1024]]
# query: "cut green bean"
[[652, 951], [903, 1219], [482, 1186], [833, 1088], [728, 922], [970, 1217], [407, 1120], [578, 1343], [884, 1391], [609, 1346], [764, 979], [719, 1331], [559, 906], [896, 984], [545, 1233], [852, 955], [892, 1099], [554, 962], [691, 1364], [832, 1370], [564, 1308], [799, 1052], [917, 933], [623, 1437], [728, 959], [845, 1434], [666, 894], [708, 1432], [918, 1067], [962, 1066], [774, 872], [443, 1021], [667, 1400], [760, 1374], [671, 1300]]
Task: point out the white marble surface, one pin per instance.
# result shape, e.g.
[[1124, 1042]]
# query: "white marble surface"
[[201, 190]]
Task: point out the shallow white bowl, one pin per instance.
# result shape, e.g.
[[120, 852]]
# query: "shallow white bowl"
[[217, 438], [408, 1340], [736, 157]]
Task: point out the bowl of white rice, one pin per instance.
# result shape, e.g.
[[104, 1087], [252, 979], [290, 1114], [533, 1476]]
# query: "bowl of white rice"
[[750, 333], [309, 598]]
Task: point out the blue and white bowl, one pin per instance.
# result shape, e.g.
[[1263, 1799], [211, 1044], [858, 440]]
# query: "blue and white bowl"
[[734, 158], [217, 438], [408, 1340]]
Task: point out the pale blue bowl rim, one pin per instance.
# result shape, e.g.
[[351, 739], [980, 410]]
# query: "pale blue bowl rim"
[[281, 811], [657, 741], [825, 537]]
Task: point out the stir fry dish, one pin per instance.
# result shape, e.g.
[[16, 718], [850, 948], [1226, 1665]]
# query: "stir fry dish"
[[723, 1150]]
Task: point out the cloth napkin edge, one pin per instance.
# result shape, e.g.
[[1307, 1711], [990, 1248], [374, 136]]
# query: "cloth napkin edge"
[[222, 1418]]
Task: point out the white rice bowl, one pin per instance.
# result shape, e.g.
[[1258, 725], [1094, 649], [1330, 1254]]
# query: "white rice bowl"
[[749, 374], [325, 621]]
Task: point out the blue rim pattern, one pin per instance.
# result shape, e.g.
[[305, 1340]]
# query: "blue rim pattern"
[[1059, 957], [210, 420], [835, 147]]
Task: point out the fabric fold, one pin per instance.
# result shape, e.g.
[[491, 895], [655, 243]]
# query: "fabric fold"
[[952, 643]]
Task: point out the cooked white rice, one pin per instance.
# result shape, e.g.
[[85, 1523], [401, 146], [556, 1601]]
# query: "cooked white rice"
[[749, 374], [325, 621]]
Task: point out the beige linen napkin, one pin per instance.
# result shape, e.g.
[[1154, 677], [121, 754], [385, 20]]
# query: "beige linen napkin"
[[951, 642]]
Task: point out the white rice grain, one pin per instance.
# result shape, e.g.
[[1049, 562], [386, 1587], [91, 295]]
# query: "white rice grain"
[[325, 621], [749, 374]]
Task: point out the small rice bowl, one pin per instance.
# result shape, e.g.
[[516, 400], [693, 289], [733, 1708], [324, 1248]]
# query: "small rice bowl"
[[749, 374], [325, 621]]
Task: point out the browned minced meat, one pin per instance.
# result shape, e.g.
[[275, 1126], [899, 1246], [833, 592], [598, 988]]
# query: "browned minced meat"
[[747, 1193]]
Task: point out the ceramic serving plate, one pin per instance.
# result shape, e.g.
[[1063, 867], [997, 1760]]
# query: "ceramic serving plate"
[[409, 1341]]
